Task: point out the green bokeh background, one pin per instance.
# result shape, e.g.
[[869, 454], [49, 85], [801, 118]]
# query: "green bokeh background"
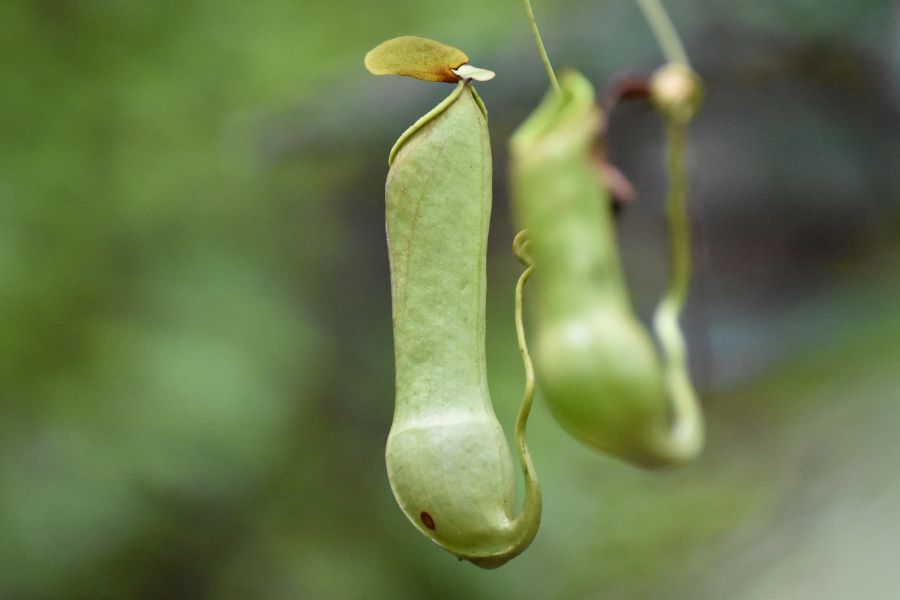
[[196, 376]]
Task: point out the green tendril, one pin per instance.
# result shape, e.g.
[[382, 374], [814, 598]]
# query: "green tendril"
[[540, 46], [664, 31], [520, 247], [532, 487], [676, 213], [688, 423]]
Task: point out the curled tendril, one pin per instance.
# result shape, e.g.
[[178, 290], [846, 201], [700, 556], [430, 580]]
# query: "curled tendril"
[[532, 487], [520, 247]]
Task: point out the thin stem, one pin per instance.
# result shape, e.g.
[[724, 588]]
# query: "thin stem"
[[676, 209], [685, 439], [664, 31], [532, 507], [532, 488], [528, 395], [540, 46]]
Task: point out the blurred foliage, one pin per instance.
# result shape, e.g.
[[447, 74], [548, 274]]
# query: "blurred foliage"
[[195, 352]]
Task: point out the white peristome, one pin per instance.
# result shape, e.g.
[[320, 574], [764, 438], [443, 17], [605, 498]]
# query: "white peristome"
[[470, 72]]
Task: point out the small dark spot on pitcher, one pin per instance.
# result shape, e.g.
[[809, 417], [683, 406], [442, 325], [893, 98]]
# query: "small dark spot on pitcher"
[[427, 520]]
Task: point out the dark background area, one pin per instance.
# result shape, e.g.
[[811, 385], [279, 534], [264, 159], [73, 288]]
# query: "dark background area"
[[196, 367]]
